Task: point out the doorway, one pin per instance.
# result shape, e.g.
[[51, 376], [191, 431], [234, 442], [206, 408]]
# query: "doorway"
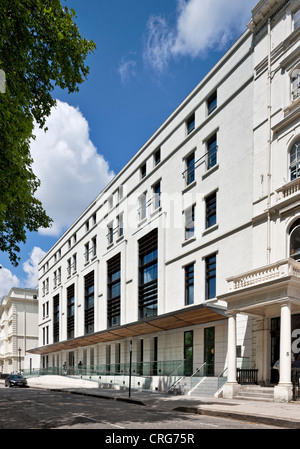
[[188, 353], [209, 350]]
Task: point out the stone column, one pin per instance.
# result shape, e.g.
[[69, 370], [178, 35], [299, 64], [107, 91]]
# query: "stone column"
[[231, 385], [283, 392]]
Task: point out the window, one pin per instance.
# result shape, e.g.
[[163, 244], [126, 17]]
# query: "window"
[[120, 192], [110, 233], [190, 222], [74, 265], [190, 123], [190, 169], [296, 19], [142, 207], [211, 210], [210, 277], [212, 103], [295, 84], [295, 240], [94, 218], [143, 171], [114, 291], [110, 202], [69, 264], [295, 160], [89, 303], [120, 219], [189, 284], [87, 252], [156, 157], [94, 246], [156, 191], [148, 282], [70, 311], [56, 318], [87, 225], [211, 151]]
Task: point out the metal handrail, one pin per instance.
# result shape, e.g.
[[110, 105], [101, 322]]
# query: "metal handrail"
[[198, 369], [198, 162]]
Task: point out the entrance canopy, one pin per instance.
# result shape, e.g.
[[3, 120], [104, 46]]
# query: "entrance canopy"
[[199, 314]]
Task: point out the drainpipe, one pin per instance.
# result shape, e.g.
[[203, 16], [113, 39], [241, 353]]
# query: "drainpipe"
[[269, 144]]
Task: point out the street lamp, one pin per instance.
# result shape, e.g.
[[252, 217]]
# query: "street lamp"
[[130, 363], [20, 359]]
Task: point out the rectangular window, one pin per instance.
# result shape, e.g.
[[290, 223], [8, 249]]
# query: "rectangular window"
[[296, 19], [212, 103], [114, 291], [210, 277], [189, 284], [211, 210], [94, 246], [120, 220], [148, 282], [70, 311], [87, 252], [110, 233], [156, 157], [190, 222], [142, 207], [190, 169], [212, 151], [89, 303], [156, 191], [190, 123], [143, 171], [56, 318]]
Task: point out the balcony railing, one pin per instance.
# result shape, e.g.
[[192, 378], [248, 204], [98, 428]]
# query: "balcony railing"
[[288, 189], [281, 269]]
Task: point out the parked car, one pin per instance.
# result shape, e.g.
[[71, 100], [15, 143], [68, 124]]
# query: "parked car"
[[16, 380]]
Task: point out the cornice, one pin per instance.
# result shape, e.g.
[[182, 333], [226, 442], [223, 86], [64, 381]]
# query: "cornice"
[[263, 11]]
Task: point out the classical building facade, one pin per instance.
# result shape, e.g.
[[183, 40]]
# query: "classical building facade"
[[19, 331], [189, 257]]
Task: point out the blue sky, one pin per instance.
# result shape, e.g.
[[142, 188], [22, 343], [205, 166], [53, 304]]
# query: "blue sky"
[[150, 55]]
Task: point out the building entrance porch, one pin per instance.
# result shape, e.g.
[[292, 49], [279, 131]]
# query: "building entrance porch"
[[271, 295]]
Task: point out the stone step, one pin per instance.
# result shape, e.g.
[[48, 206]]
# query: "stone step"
[[255, 393]]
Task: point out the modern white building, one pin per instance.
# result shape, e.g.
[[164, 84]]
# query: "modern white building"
[[19, 331], [191, 252]]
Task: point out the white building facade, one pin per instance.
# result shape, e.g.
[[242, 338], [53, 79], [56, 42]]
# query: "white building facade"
[[19, 331], [189, 255]]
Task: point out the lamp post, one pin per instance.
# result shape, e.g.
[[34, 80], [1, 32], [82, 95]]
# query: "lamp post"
[[20, 359], [130, 363]]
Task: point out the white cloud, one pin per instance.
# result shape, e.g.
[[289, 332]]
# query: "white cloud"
[[127, 70], [202, 25], [31, 267], [7, 281], [71, 171]]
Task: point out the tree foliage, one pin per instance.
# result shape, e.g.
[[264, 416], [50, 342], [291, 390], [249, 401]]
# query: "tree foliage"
[[40, 48]]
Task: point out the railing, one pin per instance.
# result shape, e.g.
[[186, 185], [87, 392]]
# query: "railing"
[[222, 379], [288, 189], [264, 274], [211, 160], [247, 376], [296, 383]]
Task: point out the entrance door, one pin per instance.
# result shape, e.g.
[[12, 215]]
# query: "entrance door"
[[209, 350], [188, 353]]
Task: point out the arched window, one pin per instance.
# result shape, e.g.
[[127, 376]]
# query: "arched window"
[[295, 160], [295, 241]]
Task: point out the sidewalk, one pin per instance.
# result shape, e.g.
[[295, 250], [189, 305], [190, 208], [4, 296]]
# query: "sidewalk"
[[270, 413]]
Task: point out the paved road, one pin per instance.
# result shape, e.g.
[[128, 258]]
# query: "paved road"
[[42, 409]]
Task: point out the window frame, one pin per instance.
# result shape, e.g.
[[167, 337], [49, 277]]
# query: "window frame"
[[212, 102], [211, 210], [189, 282]]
